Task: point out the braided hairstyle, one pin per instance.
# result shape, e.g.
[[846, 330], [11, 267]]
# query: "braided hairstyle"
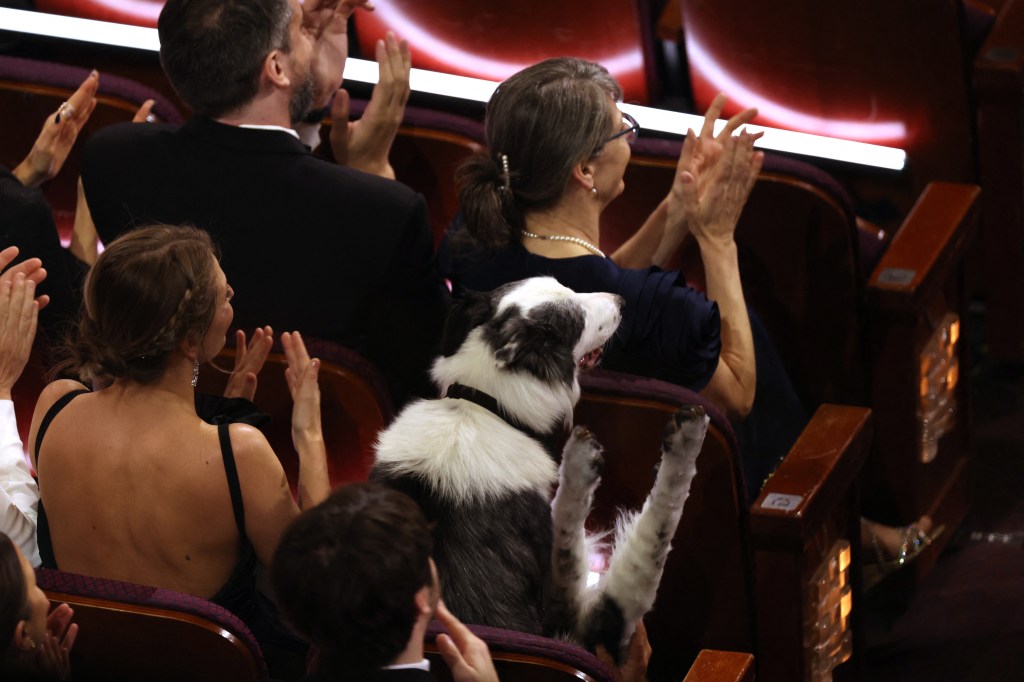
[[540, 123], [150, 289]]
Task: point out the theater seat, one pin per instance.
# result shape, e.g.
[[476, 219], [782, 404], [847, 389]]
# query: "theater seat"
[[719, 579], [354, 400], [843, 337], [135, 632], [519, 657]]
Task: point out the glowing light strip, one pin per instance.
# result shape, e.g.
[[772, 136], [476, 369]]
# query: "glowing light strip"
[[473, 89], [73, 28], [722, 81], [778, 140]]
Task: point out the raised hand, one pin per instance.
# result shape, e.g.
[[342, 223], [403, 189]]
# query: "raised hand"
[[711, 145], [699, 156], [467, 655], [713, 196], [145, 112], [302, 375], [60, 130], [307, 434], [325, 22], [19, 314], [249, 361], [366, 143], [32, 268]]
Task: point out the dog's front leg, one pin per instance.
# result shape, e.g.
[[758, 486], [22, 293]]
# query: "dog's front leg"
[[642, 542], [578, 477]]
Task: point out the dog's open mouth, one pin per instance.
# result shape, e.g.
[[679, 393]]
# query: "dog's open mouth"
[[591, 359]]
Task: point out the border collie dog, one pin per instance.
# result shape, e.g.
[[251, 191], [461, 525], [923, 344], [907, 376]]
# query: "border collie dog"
[[508, 555]]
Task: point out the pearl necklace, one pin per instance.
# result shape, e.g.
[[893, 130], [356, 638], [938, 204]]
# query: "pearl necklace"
[[562, 238]]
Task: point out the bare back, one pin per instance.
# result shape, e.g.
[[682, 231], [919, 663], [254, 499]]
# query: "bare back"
[[134, 488]]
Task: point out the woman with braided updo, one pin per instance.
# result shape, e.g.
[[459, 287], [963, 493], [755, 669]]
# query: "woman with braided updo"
[[134, 486]]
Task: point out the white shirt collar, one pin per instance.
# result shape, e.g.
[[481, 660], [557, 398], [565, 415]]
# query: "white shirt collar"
[[271, 127], [422, 665]]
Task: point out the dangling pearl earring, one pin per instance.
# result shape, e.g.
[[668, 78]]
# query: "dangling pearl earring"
[[195, 373], [593, 190]]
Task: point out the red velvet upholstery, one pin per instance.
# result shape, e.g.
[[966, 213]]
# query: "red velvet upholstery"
[[354, 401], [136, 632], [520, 656], [494, 40]]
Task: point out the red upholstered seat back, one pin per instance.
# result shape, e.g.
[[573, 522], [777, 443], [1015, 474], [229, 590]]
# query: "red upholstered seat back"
[[138, 632]]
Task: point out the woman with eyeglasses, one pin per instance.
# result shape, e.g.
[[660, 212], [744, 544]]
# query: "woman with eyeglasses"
[[557, 149]]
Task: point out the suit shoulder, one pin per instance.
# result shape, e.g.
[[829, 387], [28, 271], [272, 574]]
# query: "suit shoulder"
[[128, 136]]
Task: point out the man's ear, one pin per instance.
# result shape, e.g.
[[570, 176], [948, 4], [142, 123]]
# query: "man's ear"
[[423, 601], [274, 69]]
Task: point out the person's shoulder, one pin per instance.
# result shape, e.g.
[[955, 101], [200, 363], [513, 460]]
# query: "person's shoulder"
[[56, 390], [366, 186], [127, 138]]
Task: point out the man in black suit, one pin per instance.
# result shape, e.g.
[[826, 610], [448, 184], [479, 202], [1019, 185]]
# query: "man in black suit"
[[354, 576], [326, 249]]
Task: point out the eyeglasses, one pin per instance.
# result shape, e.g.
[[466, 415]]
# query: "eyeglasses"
[[632, 129]]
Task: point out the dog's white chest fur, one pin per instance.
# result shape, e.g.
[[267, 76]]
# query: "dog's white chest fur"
[[463, 453]]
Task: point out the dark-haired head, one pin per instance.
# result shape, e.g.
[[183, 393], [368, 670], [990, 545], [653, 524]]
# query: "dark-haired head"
[[540, 123], [213, 50], [346, 575], [151, 289], [23, 608]]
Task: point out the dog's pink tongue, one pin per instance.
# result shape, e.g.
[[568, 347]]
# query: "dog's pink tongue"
[[590, 360]]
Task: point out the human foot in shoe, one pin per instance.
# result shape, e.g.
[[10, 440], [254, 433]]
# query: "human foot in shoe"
[[893, 547]]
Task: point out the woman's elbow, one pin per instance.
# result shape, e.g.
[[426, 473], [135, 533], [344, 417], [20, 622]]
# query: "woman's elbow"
[[730, 393]]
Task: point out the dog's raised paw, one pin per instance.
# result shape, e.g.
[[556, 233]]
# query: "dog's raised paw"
[[684, 433], [583, 456]]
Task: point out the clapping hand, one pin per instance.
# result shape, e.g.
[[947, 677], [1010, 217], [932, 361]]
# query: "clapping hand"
[[366, 143], [60, 130], [54, 659], [302, 375], [713, 196], [326, 24], [467, 655], [249, 361], [19, 315], [700, 155]]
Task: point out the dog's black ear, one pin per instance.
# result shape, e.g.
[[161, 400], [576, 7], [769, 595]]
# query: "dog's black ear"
[[469, 312], [540, 344]]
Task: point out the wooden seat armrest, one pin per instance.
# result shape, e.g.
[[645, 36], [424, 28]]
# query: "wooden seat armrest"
[[822, 464], [999, 64], [927, 247], [721, 666]]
